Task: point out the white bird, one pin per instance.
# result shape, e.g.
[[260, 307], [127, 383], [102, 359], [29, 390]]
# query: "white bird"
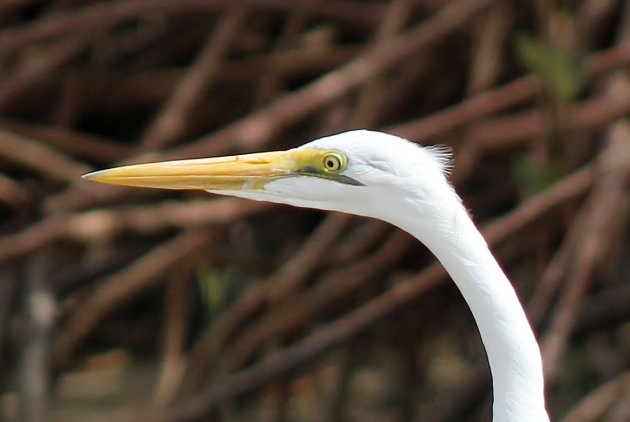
[[382, 176]]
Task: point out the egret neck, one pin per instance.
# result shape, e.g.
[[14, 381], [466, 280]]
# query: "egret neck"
[[513, 353]]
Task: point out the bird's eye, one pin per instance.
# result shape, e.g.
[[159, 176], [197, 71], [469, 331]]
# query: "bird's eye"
[[333, 162]]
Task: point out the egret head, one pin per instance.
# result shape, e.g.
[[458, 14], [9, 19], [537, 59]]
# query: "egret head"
[[358, 172]]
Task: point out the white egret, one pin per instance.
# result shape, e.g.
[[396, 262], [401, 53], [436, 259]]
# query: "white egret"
[[378, 175]]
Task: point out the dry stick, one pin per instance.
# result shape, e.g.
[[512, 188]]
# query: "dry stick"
[[590, 17], [283, 282], [332, 287], [593, 407], [511, 94], [95, 18], [177, 297], [356, 243], [254, 130], [590, 236], [604, 309], [350, 324], [204, 351], [8, 300], [170, 123], [452, 405], [99, 224], [510, 132], [82, 145], [369, 100], [9, 8], [37, 69], [41, 158], [347, 363], [600, 210], [12, 193], [154, 85], [269, 83], [552, 276], [122, 286], [40, 309], [287, 280], [488, 45]]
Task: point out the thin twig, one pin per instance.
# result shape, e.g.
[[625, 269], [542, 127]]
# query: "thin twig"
[[120, 287], [35, 70], [177, 314], [100, 224], [170, 123], [102, 15], [80, 145], [598, 213], [593, 407], [40, 308], [40, 158], [501, 98]]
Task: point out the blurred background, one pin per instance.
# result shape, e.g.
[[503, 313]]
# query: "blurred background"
[[120, 304]]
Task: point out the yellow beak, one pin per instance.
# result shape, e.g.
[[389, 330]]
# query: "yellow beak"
[[250, 171]]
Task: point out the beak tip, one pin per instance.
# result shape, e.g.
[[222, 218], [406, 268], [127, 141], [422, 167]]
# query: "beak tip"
[[93, 176]]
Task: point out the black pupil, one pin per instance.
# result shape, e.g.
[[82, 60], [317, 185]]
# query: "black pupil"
[[330, 163]]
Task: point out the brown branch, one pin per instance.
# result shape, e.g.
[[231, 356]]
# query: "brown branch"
[[357, 243], [593, 407], [368, 103], [271, 75], [598, 213], [287, 280], [41, 158], [177, 298], [170, 123], [510, 132], [12, 193], [501, 98], [40, 307], [212, 341], [283, 282], [37, 69], [488, 48], [96, 17], [331, 287], [104, 223], [81, 145], [151, 87], [119, 288]]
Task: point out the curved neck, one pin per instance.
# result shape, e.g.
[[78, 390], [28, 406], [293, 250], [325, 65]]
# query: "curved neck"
[[513, 353]]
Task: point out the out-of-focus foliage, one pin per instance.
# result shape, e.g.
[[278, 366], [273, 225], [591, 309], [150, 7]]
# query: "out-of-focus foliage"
[[562, 73]]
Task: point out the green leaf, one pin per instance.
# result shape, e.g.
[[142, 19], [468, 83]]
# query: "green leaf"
[[562, 74], [214, 286], [532, 178]]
